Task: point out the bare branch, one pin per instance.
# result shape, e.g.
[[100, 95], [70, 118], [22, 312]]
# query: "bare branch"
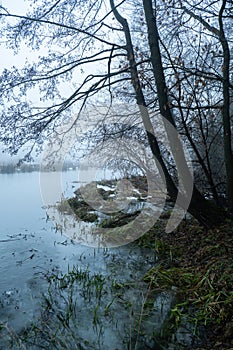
[[61, 25]]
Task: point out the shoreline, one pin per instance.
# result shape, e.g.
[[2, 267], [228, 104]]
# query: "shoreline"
[[198, 264]]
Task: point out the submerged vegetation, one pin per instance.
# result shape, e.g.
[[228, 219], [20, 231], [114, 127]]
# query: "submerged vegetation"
[[155, 81], [195, 264], [187, 289], [181, 298]]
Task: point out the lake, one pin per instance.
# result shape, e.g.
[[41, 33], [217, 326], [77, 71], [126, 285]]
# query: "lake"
[[28, 245], [31, 248]]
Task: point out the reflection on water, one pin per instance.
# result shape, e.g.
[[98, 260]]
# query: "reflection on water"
[[122, 197], [31, 247]]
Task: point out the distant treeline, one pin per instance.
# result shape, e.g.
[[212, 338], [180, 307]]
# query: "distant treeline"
[[11, 168]]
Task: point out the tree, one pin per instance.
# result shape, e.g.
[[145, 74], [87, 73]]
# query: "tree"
[[132, 70], [219, 33]]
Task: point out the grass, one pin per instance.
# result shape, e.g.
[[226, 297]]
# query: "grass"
[[76, 309], [199, 265], [79, 208], [193, 264]]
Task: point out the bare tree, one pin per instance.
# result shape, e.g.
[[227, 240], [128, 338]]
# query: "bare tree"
[[79, 33], [218, 30]]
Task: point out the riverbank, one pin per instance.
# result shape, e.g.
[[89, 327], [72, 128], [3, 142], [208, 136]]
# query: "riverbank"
[[163, 291], [196, 263], [199, 264]]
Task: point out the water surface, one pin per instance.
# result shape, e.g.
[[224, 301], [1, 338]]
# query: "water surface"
[[31, 247]]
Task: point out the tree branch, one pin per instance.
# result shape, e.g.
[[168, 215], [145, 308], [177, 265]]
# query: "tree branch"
[[61, 25]]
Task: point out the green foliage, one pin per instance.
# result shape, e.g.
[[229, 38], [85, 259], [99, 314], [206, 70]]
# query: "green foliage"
[[79, 208], [200, 274]]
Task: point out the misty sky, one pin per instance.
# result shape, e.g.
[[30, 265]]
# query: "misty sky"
[[8, 59]]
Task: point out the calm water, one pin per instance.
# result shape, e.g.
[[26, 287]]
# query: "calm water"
[[28, 246], [31, 247]]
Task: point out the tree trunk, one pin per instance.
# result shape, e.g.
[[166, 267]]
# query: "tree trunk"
[[226, 117], [226, 110], [205, 212]]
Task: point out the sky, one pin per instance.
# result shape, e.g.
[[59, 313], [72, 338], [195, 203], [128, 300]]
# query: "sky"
[[8, 59]]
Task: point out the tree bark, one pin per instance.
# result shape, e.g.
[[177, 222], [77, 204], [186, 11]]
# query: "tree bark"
[[205, 212], [226, 118], [140, 99], [226, 110]]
